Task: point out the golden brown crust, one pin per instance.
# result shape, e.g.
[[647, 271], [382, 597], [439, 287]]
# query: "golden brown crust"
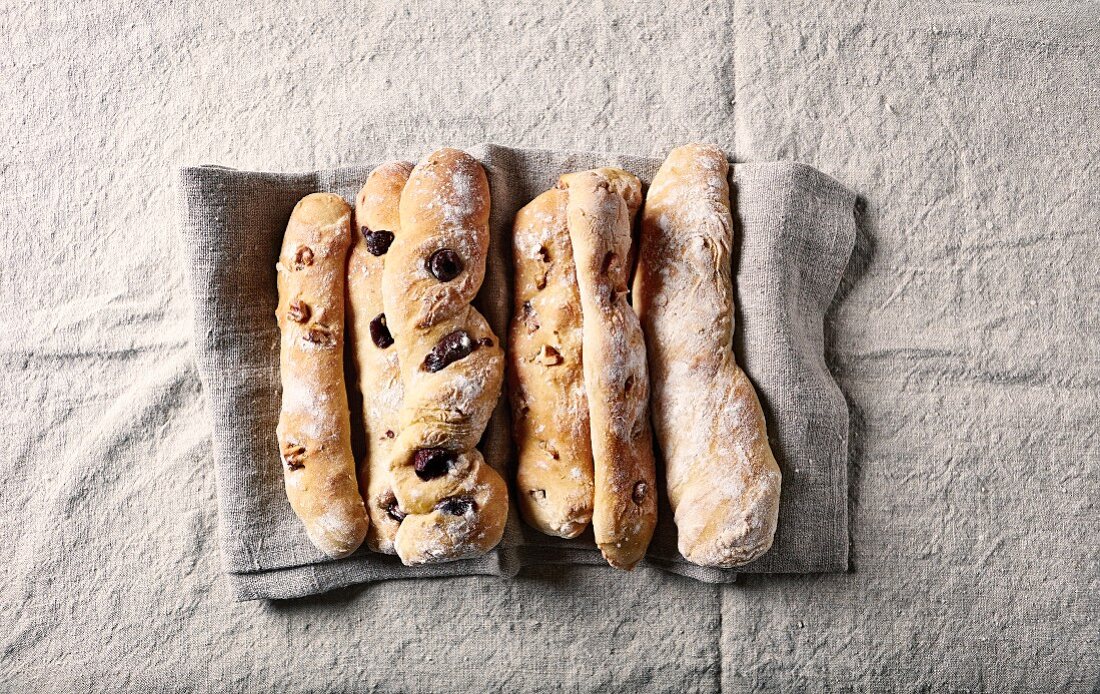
[[456, 504], [379, 377], [314, 428], [723, 482], [554, 474], [600, 212]]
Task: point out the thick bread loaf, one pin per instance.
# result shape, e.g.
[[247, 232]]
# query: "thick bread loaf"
[[379, 377], [723, 482], [600, 212], [314, 429], [554, 475], [452, 364]]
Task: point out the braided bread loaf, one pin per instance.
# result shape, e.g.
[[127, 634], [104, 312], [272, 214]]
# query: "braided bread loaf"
[[451, 364], [723, 482], [379, 375], [314, 429]]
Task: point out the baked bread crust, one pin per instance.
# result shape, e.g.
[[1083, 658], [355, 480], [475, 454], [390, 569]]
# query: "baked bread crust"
[[314, 429], [600, 211], [379, 376], [554, 474], [723, 481], [452, 364]]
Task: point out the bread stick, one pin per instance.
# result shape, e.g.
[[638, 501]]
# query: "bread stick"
[[600, 212], [723, 481], [314, 424], [554, 474], [379, 377]]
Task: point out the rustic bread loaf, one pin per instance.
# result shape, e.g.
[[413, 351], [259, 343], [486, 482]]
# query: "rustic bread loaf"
[[314, 429], [554, 474], [452, 364], [578, 372], [379, 376], [723, 482]]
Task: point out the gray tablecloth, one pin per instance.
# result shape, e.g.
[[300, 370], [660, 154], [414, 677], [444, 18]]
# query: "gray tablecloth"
[[795, 231], [963, 336]]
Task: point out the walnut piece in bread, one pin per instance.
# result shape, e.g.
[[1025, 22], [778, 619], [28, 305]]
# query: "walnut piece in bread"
[[452, 365], [723, 481], [379, 376], [554, 474], [314, 429]]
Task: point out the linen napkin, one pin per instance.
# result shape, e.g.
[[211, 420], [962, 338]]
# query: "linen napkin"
[[794, 232]]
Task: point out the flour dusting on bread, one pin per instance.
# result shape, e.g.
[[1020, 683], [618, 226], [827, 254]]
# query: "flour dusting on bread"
[[314, 430], [376, 359], [452, 504], [723, 481]]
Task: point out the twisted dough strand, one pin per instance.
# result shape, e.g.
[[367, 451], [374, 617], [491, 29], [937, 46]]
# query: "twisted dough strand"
[[451, 364], [379, 376], [601, 209]]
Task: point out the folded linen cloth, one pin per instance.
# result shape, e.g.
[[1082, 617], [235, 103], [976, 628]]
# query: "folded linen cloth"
[[794, 233]]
